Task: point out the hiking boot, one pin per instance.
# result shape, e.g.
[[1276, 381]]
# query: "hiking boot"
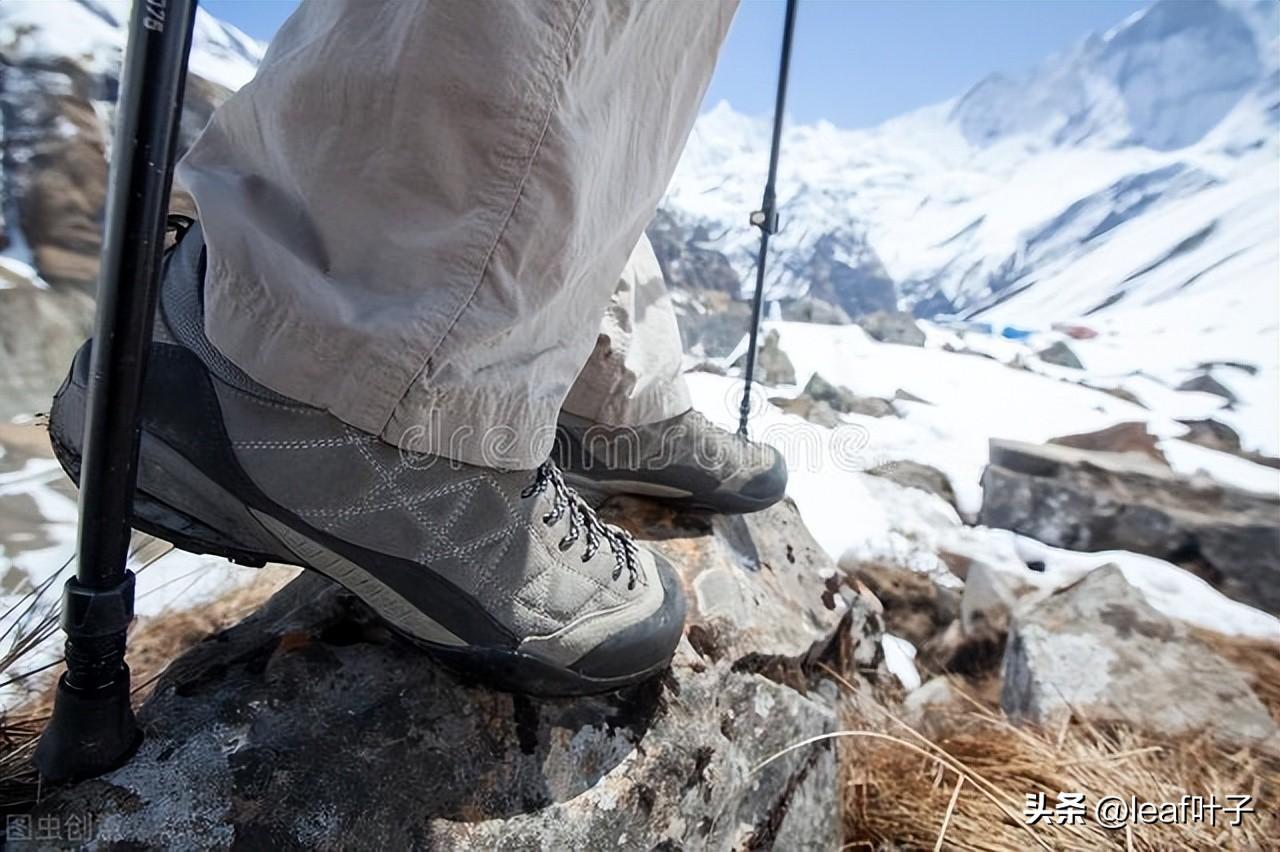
[[509, 575], [686, 460]]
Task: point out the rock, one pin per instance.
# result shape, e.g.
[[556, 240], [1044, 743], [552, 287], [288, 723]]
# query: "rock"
[[1213, 434], [1086, 500], [912, 474], [908, 396], [989, 598], [774, 364], [705, 366], [679, 244], [838, 397], [1216, 435], [711, 323], [926, 707], [843, 269], [1250, 369], [813, 410], [308, 726], [1061, 355], [773, 367], [1206, 383], [1118, 392], [1131, 437], [893, 327], [813, 309], [915, 608], [870, 406], [40, 331], [844, 400], [1099, 651]]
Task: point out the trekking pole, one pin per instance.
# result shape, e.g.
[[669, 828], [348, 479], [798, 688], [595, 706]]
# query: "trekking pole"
[[766, 218], [93, 728]]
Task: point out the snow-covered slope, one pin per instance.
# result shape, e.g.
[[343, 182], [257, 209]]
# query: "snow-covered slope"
[[93, 34], [1133, 177]]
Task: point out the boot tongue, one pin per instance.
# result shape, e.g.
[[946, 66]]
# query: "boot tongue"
[[181, 316]]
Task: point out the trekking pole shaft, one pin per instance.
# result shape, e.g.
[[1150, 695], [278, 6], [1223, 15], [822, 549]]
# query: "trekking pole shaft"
[[141, 173], [93, 728], [769, 216]]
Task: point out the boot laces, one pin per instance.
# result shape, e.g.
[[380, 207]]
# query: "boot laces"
[[583, 521]]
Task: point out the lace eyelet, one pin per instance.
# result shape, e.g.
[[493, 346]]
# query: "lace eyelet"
[[564, 544]]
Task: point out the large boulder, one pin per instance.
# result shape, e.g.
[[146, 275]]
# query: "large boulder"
[[1086, 500], [1097, 650], [309, 726]]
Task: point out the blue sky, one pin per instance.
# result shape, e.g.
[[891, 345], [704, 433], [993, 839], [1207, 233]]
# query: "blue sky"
[[856, 62]]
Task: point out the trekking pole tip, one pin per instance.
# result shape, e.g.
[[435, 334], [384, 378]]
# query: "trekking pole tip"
[[92, 731]]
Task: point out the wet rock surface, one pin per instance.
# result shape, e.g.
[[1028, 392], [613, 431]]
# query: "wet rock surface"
[[307, 725], [1087, 500]]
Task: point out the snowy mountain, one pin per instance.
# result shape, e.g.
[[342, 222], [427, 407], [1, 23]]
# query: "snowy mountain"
[[1129, 183], [1132, 175], [59, 77]]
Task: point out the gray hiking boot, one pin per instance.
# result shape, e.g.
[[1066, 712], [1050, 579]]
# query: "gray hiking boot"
[[506, 574], [686, 460]]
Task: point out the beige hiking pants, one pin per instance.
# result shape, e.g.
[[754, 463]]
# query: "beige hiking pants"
[[419, 211]]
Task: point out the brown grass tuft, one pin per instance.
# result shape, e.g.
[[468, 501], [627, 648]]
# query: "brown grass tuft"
[[901, 788], [153, 643]]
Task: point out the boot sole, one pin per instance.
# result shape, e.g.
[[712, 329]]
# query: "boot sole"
[[720, 503], [166, 478]]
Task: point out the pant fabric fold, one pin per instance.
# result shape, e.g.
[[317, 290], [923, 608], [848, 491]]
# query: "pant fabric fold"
[[418, 213]]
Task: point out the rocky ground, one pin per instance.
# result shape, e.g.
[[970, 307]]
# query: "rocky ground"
[[964, 618], [242, 728]]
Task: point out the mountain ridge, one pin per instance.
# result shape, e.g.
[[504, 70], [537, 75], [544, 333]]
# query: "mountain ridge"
[[948, 187]]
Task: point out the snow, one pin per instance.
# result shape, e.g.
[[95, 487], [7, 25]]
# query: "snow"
[[1191, 460], [1129, 184], [95, 32], [971, 399], [167, 579], [1171, 590], [899, 658]]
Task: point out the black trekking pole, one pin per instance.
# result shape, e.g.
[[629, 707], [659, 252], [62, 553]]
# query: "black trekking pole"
[[93, 728], [766, 218]]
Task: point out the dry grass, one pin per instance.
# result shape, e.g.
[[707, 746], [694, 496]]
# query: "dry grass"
[[1257, 658], [965, 787], [153, 643]]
